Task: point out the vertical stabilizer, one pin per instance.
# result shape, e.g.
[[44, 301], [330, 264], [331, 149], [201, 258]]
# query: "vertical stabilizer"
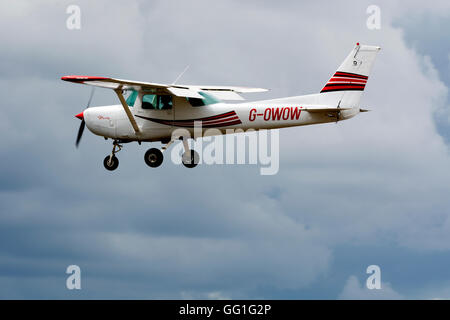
[[347, 84]]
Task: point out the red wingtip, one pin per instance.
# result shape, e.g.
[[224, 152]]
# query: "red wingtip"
[[80, 116], [82, 78]]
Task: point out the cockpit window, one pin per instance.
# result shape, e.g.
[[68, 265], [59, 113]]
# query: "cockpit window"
[[149, 101], [164, 102], [132, 98], [156, 102], [207, 99]]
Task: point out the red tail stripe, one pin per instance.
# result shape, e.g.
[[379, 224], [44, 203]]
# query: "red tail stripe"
[[337, 84], [335, 79], [351, 75], [343, 87]]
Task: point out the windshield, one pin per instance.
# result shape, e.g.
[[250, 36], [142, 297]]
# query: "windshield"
[[132, 98]]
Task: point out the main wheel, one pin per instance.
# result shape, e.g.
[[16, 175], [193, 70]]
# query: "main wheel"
[[111, 164], [190, 161], [153, 157]]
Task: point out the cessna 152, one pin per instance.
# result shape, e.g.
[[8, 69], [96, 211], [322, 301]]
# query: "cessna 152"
[[153, 111]]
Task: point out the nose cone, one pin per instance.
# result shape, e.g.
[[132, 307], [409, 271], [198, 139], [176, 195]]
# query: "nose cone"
[[80, 116]]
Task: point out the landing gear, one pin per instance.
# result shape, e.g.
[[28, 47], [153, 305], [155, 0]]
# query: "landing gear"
[[190, 158], [153, 157], [111, 162]]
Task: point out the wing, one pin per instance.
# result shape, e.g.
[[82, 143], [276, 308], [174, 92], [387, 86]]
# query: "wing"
[[118, 85], [190, 91], [112, 83], [234, 89]]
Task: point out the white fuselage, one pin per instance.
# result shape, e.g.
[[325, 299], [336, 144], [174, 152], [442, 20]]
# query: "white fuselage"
[[155, 125]]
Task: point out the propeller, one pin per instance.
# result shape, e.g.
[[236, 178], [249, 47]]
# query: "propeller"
[[83, 123]]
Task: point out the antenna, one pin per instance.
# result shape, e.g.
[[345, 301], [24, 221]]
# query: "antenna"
[[338, 113], [181, 74]]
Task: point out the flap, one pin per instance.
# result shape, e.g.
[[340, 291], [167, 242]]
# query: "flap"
[[225, 95], [231, 88], [180, 92]]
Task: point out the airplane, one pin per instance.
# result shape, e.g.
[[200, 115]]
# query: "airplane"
[[152, 111]]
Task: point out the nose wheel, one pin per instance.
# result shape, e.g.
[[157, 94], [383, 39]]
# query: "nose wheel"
[[111, 162]]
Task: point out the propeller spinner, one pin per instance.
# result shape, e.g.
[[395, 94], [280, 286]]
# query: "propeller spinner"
[[81, 117]]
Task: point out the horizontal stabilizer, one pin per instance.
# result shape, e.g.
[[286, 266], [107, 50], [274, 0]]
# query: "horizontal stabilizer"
[[324, 109]]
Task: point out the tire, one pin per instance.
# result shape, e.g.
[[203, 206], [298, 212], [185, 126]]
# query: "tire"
[[153, 157], [192, 161], [111, 165]]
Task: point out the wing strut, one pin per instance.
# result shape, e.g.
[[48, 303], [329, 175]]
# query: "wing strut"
[[127, 110]]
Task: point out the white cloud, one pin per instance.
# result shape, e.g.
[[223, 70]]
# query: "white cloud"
[[213, 295], [353, 290]]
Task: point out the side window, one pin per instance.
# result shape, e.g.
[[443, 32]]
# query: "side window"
[[164, 102], [156, 102], [149, 101]]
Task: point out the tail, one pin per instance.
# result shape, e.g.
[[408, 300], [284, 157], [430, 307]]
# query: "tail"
[[346, 86]]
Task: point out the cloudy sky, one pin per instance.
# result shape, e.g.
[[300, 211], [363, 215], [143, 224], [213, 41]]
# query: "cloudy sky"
[[371, 190]]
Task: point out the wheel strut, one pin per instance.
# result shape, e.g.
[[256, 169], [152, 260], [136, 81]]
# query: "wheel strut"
[[190, 158], [111, 162], [117, 146]]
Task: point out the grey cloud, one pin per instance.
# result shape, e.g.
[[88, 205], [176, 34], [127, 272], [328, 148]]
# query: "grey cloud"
[[220, 231]]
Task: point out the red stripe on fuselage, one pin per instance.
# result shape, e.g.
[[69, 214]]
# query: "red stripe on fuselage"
[[220, 120], [207, 121], [342, 88]]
